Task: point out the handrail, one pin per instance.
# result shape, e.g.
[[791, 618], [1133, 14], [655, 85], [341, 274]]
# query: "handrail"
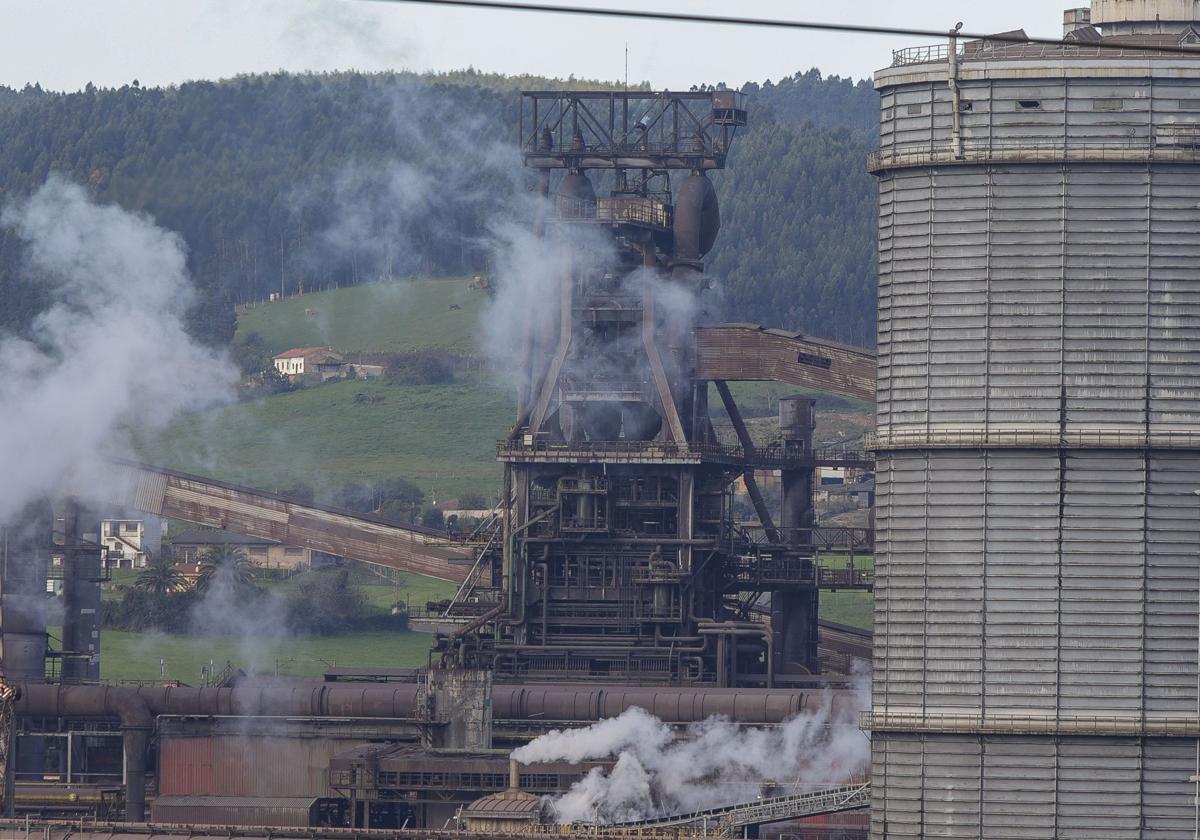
[[925, 54], [1032, 438], [1012, 51], [1032, 723], [778, 452], [1154, 147]]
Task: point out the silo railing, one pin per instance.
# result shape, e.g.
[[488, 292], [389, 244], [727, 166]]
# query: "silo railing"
[[969, 437], [1169, 144]]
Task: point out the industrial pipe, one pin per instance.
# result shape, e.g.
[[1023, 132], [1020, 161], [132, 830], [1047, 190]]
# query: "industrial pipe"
[[494, 612], [709, 627], [136, 724], [252, 699], [311, 698]]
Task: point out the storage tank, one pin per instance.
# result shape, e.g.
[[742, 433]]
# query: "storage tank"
[[1038, 443], [1144, 17]]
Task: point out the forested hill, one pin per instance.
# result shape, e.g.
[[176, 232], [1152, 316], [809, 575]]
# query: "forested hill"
[[297, 182]]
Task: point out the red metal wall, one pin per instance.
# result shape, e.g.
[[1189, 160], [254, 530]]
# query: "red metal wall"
[[252, 765]]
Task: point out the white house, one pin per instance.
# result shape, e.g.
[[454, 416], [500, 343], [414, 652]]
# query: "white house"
[[300, 361], [123, 541]]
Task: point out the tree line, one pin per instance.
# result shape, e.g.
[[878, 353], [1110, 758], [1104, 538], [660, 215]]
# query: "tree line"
[[294, 182]]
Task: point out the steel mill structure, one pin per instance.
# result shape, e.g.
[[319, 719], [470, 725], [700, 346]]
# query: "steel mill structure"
[[619, 559], [1039, 434], [614, 574]]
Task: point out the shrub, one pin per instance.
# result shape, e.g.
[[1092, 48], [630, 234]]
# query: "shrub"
[[473, 501], [420, 367], [324, 603]]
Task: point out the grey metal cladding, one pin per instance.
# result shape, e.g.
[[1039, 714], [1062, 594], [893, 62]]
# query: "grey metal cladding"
[[1019, 788], [1038, 287]]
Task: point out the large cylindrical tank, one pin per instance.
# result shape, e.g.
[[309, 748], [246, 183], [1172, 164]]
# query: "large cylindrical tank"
[[1038, 446], [1145, 17], [697, 217]]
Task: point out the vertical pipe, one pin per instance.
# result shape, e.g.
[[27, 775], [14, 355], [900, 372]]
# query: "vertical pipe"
[[954, 95], [9, 731]]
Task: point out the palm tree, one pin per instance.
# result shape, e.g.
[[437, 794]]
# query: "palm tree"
[[159, 576], [226, 563]]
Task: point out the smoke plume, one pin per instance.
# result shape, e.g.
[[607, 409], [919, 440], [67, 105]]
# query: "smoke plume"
[[110, 354], [714, 763], [527, 275]]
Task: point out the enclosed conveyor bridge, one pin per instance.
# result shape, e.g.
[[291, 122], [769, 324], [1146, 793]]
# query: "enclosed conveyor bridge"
[[748, 352], [356, 536]]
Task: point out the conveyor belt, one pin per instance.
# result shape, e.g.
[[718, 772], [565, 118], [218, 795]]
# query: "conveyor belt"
[[727, 821], [356, 536], [747, 352]]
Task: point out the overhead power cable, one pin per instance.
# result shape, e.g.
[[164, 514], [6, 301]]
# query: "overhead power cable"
[[778, 23]]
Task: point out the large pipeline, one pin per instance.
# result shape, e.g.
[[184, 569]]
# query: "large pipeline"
[[136, 708], [311, 698]]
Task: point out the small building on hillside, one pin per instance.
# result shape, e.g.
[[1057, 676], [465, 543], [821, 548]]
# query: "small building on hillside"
[[189, 548], [306, 361], [123, 541]]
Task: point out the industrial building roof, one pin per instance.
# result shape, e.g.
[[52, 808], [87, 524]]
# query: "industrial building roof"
[[508, 804], [297, 352]]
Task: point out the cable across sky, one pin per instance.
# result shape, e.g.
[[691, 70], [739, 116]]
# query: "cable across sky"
[[780, 23]]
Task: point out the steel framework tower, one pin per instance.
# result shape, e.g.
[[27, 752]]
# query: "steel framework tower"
[[620, 559]]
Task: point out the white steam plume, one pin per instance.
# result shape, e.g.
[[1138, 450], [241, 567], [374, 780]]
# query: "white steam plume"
[[110, 354], [714, 763], [528, 274], [258, 623]]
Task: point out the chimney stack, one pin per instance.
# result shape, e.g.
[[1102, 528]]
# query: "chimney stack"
[[514, 774]]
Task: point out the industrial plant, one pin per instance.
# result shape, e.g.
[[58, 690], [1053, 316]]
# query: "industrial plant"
[[1035, 661]]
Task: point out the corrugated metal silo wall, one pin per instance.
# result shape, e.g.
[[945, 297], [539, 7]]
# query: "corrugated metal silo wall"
[[1038, 415]]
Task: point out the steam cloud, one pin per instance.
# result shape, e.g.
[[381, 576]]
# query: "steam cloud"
[[717, 762], [528, 272], [463, 194], [109, 356]]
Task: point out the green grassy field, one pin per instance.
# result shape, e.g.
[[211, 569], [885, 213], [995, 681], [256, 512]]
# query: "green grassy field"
[[386, 317], [440, 437], [854, 608], [136, 656]]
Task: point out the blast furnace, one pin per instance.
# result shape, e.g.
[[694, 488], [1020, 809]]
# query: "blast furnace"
[[620, 559]]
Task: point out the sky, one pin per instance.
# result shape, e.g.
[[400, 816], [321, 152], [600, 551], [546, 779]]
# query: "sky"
[[64, 44]]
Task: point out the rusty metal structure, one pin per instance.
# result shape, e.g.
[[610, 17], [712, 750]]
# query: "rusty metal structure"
[[614, 575], [619, 560], [361, 537]]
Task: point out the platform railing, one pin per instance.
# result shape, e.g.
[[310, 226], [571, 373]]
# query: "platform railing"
[[1166, 145], [1032, 438]]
